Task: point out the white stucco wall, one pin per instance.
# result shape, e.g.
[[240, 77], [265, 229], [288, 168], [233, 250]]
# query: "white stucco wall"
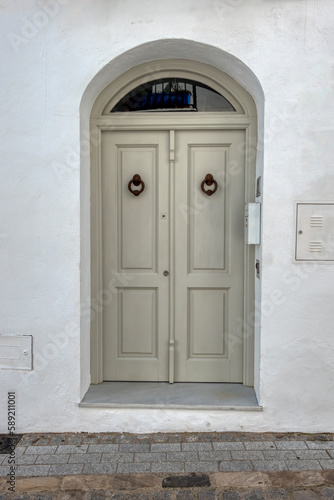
[[56, 56]]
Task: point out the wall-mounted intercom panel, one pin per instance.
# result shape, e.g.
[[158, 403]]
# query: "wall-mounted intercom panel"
[[252, 223]]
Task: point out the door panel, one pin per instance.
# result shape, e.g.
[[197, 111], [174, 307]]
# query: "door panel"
[[138, 214], [138, 307], [205, 304], [209, 257], [135, 254], [207, 220]]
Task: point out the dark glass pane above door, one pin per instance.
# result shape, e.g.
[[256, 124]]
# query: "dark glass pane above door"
[[173, 94]]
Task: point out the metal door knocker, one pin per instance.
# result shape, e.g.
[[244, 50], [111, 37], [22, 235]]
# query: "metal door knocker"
[[136, 181], [209, 180]]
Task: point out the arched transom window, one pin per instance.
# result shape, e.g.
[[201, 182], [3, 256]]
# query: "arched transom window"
[[173, 94]]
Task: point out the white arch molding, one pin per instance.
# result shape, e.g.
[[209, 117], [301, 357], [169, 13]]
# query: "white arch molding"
[[245, 117]]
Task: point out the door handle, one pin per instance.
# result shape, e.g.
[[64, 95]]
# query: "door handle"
[[208, 181], [166, 273], [136, 181]]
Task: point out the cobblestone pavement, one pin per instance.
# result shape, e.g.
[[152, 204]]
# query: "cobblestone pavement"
[[69, 454], [120, 466]]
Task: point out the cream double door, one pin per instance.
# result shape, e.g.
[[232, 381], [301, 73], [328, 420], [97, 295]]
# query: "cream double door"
[[173, 255]]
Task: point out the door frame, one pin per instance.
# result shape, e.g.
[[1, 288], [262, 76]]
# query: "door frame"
[[244, 118]]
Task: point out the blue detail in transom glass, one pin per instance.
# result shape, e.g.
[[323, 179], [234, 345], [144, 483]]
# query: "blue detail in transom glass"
[[173, 94]]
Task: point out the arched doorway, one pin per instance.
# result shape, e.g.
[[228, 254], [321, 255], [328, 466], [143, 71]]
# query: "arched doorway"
[[170, 261]]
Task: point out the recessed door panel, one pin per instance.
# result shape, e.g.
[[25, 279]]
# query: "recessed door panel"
[[138, 325], [207, 313], [138, 214], [207, 218]]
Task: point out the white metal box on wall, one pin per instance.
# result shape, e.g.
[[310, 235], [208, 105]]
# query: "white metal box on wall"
[[16, 352], [315, 231]]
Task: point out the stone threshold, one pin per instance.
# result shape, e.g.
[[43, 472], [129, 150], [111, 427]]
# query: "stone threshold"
[[186, 396]]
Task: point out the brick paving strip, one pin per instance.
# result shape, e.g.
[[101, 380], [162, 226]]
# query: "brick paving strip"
[[114, 460]]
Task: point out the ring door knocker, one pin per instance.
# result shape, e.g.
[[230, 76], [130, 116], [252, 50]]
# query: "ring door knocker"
[[136, 181], [209, 180]]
